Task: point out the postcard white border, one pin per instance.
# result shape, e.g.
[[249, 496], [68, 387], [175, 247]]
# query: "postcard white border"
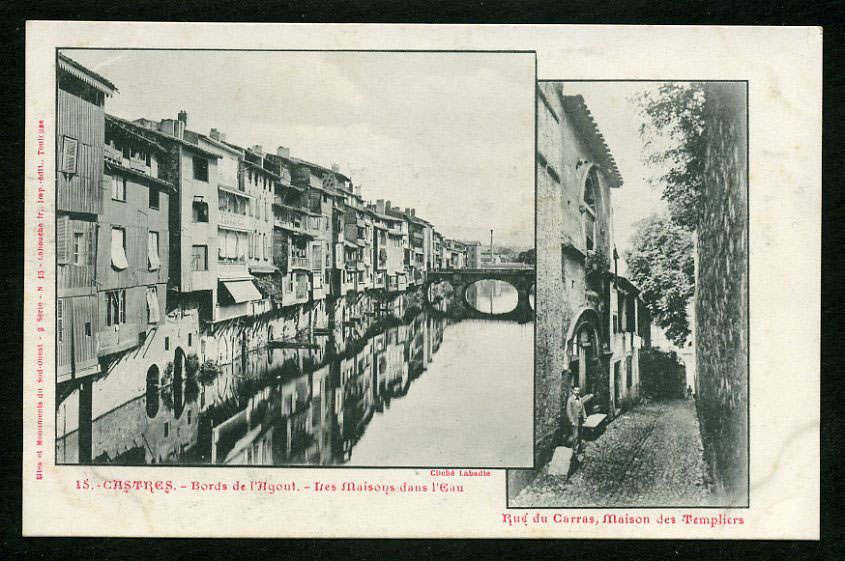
[[783, 69]]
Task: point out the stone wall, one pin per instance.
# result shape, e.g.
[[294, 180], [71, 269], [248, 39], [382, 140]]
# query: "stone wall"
[[550, 292], [721, 310]]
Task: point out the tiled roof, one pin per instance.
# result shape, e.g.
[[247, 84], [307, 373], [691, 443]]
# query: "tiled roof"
[[575, 106], [86, 75], [132, 130]]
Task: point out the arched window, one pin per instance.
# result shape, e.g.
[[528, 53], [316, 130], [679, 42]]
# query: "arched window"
[[591, 209]]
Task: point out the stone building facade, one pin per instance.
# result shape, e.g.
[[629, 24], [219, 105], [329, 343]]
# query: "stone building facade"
[[590, 331]]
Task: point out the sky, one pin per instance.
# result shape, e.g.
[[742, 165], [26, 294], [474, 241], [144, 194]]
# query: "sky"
[[618, 119], [450, 134]]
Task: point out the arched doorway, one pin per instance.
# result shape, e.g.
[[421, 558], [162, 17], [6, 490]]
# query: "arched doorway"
[[584, 348]]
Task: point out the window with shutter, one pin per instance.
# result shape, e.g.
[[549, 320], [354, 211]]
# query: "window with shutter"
[[199, 258], [63, 232], [115, 307], [316, 256], [152, 251], [78, 248], [152, 305], [242, 243], [118, 249], [91, 248], [70, 148], [118, 188], [60, 325]]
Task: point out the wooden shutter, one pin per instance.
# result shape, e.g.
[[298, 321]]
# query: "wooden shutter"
[[91, 245], [70, 147], [63, 240], [141, 250], [60, 326]]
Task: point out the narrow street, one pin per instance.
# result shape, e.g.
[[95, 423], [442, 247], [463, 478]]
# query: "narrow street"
[[649, 456]]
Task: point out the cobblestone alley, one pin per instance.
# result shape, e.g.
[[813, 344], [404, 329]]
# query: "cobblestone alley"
[[649, 456]]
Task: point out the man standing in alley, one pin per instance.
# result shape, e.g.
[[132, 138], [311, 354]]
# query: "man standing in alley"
[[576, 415]]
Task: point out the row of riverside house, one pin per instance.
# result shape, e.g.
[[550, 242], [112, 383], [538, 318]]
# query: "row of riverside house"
[[156, 222]]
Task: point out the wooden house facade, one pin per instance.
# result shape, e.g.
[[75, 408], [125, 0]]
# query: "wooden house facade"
[[80, 132]]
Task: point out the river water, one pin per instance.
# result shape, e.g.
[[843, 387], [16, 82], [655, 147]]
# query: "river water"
[[425, 391]]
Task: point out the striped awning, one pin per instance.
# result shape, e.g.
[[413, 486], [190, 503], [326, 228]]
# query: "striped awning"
[[242, 291]]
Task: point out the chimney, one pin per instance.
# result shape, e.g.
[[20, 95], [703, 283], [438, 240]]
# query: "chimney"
[[335, 168], [258, 149], [167, 127], [283, 151], [387, 204], [214, 134], [173, 128], [380, 206], [183, 116], [414, 212]]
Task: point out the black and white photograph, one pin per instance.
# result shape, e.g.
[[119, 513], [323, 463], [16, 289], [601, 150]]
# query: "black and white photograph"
[[284, 258], [421, 281], [642, 332]]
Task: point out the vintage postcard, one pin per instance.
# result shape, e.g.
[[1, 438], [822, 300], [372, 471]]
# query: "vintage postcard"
[[486, 281]]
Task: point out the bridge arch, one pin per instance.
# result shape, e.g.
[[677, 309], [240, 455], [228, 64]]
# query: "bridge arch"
[[520, 278], [497, 299]]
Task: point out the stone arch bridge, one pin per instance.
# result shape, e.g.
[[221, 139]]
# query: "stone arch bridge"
[[520, 277]]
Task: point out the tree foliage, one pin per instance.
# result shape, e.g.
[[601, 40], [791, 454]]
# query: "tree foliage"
[[660, 262], [528, 256], [673, 144]]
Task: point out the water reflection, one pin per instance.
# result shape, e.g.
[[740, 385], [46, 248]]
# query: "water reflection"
[[363, 395], [492, 296]]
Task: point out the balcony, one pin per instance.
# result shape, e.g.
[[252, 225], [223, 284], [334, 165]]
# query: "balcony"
[[292, 220], [300, 261], [315, 204], [140, 165], [113, 155], [235, 220], [222, 313]]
